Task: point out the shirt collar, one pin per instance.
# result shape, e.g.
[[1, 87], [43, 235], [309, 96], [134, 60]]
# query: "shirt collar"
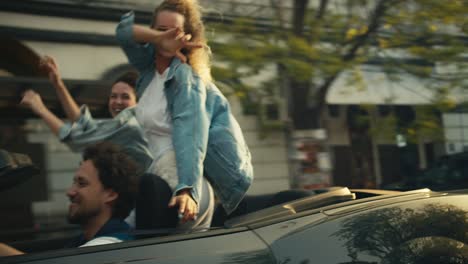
[[172, 68], [112, 226]]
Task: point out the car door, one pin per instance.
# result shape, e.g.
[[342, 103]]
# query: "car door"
[[219, 246]]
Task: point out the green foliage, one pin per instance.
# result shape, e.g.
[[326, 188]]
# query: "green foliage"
[[425, 126], [222, 73], [411, 37], [385, 127], [299, 68], [300, 48]]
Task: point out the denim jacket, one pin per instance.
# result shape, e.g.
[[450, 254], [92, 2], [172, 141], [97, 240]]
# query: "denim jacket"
[[123, 130], [207, 139]]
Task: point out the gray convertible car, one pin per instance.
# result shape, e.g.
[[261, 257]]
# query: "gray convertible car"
[[335, 226]]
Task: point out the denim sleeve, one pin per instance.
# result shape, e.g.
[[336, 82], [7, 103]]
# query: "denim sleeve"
[[122, 130], [77, 134], [190, 135], [140, 55]]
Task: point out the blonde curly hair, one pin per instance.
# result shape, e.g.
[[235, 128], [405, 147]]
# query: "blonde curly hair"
[[199, 58]]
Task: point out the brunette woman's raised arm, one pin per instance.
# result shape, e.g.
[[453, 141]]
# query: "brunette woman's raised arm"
[[33, 100], [71, 108]]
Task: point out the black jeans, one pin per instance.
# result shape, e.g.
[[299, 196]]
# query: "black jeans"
[[152, 211]]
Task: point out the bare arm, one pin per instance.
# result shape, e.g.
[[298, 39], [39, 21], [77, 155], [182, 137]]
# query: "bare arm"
[[146, 35], [6, 250], [71, 108], [33, 100]]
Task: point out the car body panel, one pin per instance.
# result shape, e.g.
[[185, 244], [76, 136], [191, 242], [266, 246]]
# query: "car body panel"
[[412, 227], [408, 231], [208, 247]]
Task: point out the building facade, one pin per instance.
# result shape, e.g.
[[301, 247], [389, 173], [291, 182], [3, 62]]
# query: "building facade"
[[80, 36]]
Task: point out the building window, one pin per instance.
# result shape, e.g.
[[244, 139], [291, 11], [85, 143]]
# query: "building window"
[[456, 132]]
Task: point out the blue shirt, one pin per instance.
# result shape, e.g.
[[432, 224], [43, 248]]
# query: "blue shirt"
[[116, 228]]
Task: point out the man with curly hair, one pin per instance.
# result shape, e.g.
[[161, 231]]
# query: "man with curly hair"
[[102, 194]]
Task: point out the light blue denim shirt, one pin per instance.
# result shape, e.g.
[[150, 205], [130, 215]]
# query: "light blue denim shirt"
[[123, 130], [206, 137]]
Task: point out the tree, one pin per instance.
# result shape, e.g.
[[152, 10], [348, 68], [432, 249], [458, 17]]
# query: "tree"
[[323, 39]]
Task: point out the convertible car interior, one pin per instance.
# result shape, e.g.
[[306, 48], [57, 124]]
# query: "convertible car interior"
[[253, 209]]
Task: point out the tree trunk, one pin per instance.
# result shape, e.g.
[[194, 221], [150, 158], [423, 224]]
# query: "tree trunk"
[[303, 116]]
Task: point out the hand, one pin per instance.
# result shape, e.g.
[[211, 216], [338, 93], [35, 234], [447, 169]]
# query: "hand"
[[49, 64], [170, 43], [6, 250], [187, 206], [32, 100]]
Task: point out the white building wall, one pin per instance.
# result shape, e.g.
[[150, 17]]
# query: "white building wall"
[[30, 21], [269, 155], [78, 61]]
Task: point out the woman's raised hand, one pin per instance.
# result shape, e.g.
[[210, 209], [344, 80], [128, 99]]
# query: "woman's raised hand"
[[49, 64], [32, 100], [171, 41]]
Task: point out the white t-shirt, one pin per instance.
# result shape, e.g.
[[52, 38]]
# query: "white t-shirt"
[[152, 114], [101, 241]]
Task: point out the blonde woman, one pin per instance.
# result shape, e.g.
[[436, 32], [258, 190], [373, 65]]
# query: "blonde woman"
[[197, 144]]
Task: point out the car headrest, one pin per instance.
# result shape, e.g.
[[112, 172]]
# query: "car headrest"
[[15, 168]]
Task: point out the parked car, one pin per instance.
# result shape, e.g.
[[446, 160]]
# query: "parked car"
[[449, 172], [336, 226]]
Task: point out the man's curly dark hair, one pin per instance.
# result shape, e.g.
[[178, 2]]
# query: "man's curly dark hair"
[[116, 171]]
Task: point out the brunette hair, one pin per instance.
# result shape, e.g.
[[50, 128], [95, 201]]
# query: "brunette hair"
[[129, 78]]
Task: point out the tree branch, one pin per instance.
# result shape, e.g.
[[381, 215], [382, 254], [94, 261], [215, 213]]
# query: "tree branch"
[[374, 23]]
